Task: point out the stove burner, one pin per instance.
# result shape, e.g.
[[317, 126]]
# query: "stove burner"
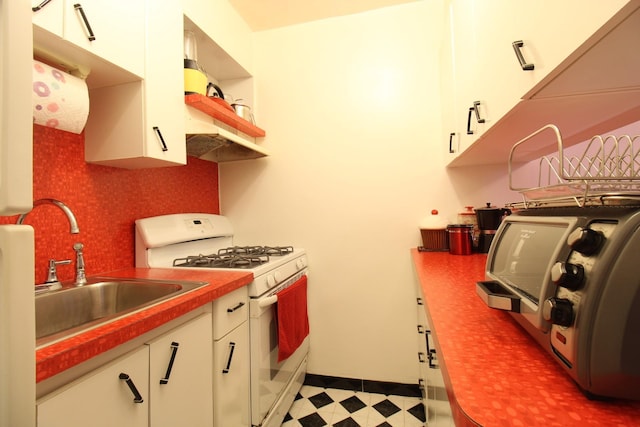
[[234, 257], [257, 250]]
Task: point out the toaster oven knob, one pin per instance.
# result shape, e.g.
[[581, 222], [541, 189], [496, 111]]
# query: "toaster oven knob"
[[570, 276], [585, 240], [558, 311]]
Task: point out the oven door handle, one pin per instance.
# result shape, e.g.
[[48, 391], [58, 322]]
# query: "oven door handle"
[[266, 302]]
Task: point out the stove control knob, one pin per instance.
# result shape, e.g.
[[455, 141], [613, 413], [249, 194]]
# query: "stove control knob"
[[585, 240], [570, 276], [271, 281], [558, 311], [278, 276]]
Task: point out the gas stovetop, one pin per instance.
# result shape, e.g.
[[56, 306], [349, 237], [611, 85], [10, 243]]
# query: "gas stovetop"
[[235, 257]]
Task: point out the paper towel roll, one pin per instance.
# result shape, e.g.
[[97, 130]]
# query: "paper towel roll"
[[60, 100]]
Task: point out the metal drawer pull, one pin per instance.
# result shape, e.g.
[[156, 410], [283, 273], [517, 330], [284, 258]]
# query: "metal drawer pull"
[[420, 329], [419, 301], [232, 309], [476, 104], [431, 353], [421, 357], [79, 8], [516, 48], [156, 129], [40, 6], [451, 135], [475, 109], [137, 398], [232, 347], [174, 351]]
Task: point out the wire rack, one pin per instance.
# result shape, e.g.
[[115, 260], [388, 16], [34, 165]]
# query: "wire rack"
[[605, 172]]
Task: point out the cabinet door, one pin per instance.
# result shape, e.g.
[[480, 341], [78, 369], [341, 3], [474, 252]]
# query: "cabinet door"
[[141, 124], [180, 376], [163, 83], [90, 25], [49, 16], [485, 66], [102, 398], [121, 43], [231, 378]]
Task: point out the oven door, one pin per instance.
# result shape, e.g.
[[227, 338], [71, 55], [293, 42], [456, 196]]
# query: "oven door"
[[268, 376]]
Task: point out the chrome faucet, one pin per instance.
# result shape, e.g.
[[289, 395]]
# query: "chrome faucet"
[[73, 223], [52, 280]]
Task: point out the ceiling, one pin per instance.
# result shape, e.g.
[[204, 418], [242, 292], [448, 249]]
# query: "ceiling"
[[268, 14]]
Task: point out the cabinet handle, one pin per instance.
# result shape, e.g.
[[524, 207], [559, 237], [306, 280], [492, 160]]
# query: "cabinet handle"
[[79, 8], [451, 135], [137, 398], [420, 329], [516, 48], [232, 309], [419, 301], [476, 104], [40, 6], [469, 131], [473, 109], [431, 353], [232, 347], [421, 357], [174, 351], [156, 129]]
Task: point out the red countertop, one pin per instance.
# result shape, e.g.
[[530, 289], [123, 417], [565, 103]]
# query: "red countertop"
[[495, 373], [62, 355]]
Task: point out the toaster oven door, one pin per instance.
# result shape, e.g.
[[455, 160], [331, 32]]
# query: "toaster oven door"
[[522, 255]]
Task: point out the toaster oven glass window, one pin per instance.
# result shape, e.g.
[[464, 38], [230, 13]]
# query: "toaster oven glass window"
[[523, 255]]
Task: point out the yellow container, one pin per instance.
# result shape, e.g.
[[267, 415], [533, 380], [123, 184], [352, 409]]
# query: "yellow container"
[[195, 81]]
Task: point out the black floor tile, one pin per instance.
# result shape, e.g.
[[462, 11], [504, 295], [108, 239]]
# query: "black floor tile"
[[347, 422], [418, 412], [320, 400], [312, 420], [353, 404], [386, 408]]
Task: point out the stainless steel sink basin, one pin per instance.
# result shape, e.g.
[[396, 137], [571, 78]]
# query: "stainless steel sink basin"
[[71, 310]]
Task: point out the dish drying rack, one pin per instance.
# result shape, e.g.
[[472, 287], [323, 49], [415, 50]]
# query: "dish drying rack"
[[605, 172]]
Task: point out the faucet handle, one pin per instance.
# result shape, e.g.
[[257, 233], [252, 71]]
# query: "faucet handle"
[[81, 278], [52, 276]]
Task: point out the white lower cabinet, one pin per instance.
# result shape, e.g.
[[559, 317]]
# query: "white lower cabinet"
[[180, 392], [231, 398], [102, 398], [231, 379], [436, 403], [165, 382]]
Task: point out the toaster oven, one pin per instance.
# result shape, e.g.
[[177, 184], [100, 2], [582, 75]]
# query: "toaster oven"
[[571, 278]]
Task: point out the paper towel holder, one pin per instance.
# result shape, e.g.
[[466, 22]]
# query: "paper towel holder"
[[55, 60]]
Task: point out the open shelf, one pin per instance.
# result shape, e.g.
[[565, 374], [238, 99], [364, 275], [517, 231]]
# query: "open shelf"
[[225, 115]]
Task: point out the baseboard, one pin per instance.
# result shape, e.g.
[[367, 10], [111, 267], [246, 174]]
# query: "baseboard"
[[369, 386]]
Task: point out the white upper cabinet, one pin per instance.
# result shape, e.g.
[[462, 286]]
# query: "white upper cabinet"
[[141, 124], [113, 31], [489, 77]]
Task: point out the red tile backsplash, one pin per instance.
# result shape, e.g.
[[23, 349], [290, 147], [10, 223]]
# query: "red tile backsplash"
[[106, 201]]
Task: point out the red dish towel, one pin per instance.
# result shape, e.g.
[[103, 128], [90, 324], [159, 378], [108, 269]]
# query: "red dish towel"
[[293, 322]]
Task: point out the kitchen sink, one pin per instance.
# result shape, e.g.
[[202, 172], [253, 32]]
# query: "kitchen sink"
[[71, 310]]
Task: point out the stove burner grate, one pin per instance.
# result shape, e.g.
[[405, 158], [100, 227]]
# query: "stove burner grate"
[[234, 257], [257, 250]]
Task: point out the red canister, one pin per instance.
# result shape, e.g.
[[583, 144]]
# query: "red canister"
[[460, 239]]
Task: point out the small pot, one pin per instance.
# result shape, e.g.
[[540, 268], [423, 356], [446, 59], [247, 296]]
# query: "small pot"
[[490, 217], [243, 111]]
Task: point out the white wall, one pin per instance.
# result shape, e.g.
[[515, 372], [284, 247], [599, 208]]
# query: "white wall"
[[351, 107]]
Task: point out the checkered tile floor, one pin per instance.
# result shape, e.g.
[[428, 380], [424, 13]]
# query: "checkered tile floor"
[[318, 406]]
